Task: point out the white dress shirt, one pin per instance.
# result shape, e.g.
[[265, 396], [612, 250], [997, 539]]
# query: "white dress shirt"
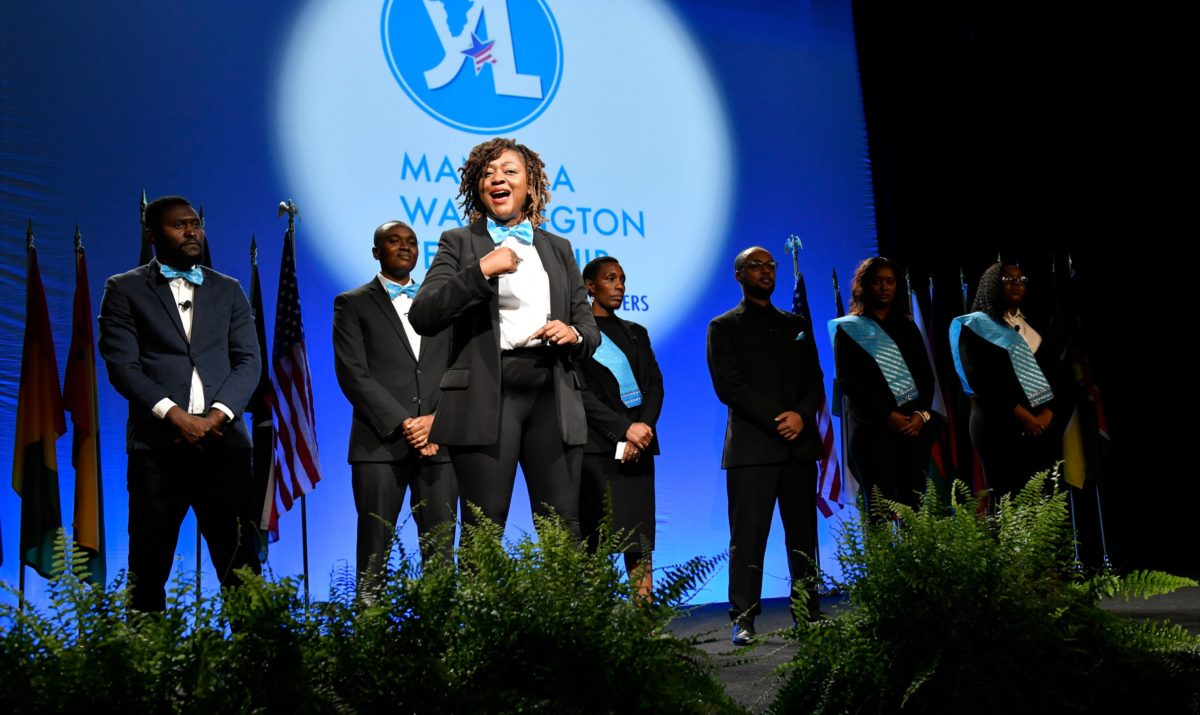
[[185, 294], [524, 298], [1032, 337], [402, 304]]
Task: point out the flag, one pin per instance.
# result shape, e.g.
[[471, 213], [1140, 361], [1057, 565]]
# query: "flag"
[[943, 463], [206, 254], [295, 469], [79, 398], [829, 476], [838, 400], [145, 254], [1085, 439], [849, 483], [40, 422], [262, 428]]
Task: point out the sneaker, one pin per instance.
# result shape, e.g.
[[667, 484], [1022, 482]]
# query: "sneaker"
[[743, 632]]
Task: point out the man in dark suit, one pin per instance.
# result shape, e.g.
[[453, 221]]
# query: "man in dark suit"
[[179, 343], [390, 374], [764, 366]]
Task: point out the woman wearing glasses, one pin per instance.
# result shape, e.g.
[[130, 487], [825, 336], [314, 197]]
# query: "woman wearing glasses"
[[1007, 367]]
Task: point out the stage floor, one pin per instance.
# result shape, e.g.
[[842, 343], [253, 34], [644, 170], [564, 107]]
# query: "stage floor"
[[749, 675]]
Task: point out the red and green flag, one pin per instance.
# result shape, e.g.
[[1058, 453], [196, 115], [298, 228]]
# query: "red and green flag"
[[79, 398], [40, 422]]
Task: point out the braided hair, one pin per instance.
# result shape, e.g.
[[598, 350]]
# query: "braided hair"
[[472, 172], [989, 297]]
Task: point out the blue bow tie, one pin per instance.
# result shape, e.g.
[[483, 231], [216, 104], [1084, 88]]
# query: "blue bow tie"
[[396, 290], [193, 275], [523, 232]]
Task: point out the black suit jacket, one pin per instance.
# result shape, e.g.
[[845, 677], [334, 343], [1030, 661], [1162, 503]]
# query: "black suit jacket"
[[149, 357], [998, 391], [607, 417], [456, 293], [379, 374], [763, 362]]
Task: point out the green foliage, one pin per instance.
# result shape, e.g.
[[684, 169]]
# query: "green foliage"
[[527, 626], [958, 612]]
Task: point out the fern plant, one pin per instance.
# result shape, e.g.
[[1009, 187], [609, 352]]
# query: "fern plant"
[[533, 626], [953, 611]]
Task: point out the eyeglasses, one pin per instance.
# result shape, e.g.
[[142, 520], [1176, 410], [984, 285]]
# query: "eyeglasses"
[[1020, 280], [759, 265]]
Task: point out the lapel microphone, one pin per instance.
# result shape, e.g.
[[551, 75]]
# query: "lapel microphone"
[[185, 305]]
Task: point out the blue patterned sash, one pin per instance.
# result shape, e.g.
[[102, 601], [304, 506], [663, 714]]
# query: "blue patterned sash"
[[613, 358], [1033, 382], [883, 350]]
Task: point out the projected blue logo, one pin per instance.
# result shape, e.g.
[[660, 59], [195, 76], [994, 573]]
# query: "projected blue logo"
[[482, 66]]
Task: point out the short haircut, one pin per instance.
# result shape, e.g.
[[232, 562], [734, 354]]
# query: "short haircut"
[[592, 269], [156, 208], [739, 262], [383, 227]]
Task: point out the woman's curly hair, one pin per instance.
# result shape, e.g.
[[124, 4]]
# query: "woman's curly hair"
[[862, 277], [472, 172]]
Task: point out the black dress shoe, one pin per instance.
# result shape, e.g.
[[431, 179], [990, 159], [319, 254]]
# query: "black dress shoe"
[[743, 632]]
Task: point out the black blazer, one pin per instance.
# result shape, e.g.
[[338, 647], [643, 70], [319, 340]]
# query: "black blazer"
[[763, 362], [607, 417], [456, 293], [149, 356], [379, 374]]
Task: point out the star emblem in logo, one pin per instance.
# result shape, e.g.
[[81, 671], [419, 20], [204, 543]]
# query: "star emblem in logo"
[[480, 51]]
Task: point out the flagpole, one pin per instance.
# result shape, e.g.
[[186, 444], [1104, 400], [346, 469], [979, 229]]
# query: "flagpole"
[[21, 556], [1100, 518], [793, 245], [199, 535], [289, 207], [1095, 480]]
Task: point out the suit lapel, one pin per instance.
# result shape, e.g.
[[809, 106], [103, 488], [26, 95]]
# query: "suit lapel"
[[161, 287], [482, 244], [379, 297], [555, 274]]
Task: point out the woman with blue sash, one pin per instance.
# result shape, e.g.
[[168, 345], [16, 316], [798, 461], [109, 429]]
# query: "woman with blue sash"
[[623, 400], [883, 370], [1007, 368]]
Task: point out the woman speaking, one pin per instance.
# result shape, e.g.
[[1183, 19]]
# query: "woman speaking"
[[512, 296]]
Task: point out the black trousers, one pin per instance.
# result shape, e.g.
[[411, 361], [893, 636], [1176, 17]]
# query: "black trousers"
[[530, 435], [884, 458], [1008, 457], [216, 483], [379, 496], [753, 492]]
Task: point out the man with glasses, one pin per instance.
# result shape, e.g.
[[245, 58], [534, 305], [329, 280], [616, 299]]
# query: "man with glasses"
[[764, 367]]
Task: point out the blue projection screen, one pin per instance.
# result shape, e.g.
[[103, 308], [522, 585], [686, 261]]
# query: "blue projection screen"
[[674, 133]]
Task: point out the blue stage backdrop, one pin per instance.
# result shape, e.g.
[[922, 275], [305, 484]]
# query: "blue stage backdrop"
[[675, 134]]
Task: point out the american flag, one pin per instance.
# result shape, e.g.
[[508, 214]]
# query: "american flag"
[[829, 474], [296, 468]]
